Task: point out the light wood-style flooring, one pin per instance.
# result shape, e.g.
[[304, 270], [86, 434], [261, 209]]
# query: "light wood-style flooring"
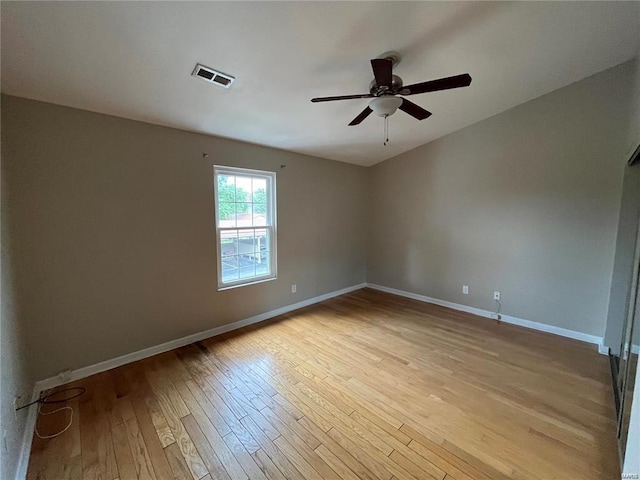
[[363, 386]]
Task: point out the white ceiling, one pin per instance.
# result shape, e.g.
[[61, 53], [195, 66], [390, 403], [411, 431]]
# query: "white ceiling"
[[134, 60]]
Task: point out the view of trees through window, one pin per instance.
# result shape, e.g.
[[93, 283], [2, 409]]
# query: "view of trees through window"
[[237, 194]]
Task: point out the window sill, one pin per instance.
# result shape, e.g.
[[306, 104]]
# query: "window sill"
[[245, 284]]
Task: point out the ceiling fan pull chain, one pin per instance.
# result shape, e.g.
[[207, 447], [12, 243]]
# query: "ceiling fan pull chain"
[[386, 130]]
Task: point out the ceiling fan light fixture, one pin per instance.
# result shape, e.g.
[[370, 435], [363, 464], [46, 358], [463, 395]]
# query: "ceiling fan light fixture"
[[385, 106]]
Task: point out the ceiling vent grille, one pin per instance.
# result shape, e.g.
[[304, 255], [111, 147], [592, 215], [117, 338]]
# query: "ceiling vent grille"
[[213, 76]]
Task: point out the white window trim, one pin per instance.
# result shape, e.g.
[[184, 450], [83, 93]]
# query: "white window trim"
[[272, 227]]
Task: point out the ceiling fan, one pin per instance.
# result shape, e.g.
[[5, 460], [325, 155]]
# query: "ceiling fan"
[[386, 90]]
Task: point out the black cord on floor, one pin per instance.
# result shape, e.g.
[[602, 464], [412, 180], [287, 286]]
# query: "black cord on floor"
[[46, 399]]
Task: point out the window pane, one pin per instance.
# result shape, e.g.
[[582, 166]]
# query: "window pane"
[[226, 214], [259, 188], [246, 242], [262, 251], [228, 243], [243, 189], [263, 264], [260, 214], [226, 188], [243, 215], [229, 268], [247, 266], [261, 240]]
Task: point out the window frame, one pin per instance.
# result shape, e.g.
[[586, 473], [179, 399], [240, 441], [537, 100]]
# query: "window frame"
[[271, 226]]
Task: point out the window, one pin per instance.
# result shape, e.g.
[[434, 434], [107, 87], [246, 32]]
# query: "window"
[[246, 225]]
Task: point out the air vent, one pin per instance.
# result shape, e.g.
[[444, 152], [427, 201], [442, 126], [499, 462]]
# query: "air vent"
[[212, 76]]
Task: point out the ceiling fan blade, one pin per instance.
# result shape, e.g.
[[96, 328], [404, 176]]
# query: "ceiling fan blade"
[[382, 71], [342, 97], [456, 81], [416, 111], [364, 114]]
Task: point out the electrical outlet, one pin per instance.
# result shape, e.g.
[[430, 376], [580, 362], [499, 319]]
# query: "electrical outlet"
[[294, 288], [496, 296], [465, 289]]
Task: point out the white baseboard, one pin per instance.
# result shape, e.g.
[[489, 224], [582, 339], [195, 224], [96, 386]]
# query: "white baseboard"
[[542, 327], [84, 372]]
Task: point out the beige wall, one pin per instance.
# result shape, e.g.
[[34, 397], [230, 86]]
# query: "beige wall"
[[15, 374], [114, 229], [525, 202]]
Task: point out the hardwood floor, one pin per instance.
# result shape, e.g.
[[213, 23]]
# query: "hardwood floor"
[[363, 386]]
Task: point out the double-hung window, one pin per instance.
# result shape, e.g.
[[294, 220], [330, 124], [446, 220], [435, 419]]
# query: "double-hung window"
[[245, 225]]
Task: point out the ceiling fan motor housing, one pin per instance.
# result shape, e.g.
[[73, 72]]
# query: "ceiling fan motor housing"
[[396, 85]]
